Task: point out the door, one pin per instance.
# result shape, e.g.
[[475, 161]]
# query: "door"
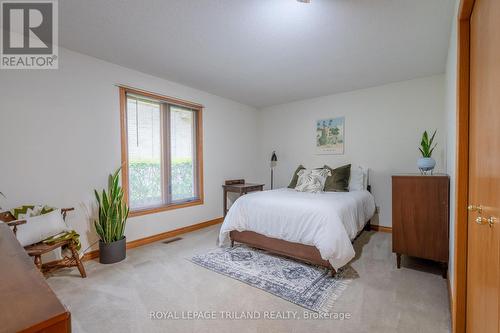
[[483, 244]]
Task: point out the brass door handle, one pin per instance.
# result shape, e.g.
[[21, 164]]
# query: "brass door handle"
[[490, 220], [475, 208]]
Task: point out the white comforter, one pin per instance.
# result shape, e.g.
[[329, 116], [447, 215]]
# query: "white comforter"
[[326, 220]]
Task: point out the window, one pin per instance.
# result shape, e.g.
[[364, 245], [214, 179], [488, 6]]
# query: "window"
[[161, 152]]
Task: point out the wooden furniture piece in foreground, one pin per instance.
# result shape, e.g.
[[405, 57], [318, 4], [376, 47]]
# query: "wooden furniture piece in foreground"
[[238, 186], [27, 303], [37, 250], [420, 209]]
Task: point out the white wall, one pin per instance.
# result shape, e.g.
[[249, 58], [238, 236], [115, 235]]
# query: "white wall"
[[60, 137], [383, 128], [451, 130]]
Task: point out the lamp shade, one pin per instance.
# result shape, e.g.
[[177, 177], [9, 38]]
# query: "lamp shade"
[[274, 159]]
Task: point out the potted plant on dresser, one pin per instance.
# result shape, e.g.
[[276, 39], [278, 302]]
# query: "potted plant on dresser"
[[426, 163], [110, 226]]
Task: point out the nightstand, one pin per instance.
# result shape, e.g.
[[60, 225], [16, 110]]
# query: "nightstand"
[[238, 186]]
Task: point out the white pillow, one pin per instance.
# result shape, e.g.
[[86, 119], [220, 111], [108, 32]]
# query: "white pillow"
[[312, 180], [359, 179], [38, 228]]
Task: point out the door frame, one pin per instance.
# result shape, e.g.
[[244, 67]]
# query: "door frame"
[[462, 167]]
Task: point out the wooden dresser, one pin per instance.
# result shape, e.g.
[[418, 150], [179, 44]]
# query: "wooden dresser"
[[27, 304], [420, 217]]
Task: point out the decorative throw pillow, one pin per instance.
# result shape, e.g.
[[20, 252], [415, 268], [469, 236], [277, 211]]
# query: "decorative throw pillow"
[[40, 227], [26, 211], [358, 181], [339, 180], [295, 177], [312, 180]]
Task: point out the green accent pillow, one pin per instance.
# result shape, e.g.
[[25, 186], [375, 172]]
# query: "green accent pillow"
[[295, 177], [339, 180], [32, 210]]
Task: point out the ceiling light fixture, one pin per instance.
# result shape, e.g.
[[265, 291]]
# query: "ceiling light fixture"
[[304, 1]]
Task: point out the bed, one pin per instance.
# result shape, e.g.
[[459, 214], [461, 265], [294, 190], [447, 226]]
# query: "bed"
[[316, 228]]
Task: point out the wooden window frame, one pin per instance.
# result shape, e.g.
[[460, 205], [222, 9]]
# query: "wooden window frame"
[[198, 163]]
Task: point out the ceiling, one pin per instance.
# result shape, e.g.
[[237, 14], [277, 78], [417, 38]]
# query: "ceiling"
[[264, 52]]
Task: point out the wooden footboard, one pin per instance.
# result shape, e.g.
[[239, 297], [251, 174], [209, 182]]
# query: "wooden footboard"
[[306, 253]]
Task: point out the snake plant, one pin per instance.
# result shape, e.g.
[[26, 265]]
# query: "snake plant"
[[426, 147], [113, 211]]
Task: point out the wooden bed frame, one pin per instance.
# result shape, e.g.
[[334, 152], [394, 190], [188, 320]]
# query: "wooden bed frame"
[[306, 253]]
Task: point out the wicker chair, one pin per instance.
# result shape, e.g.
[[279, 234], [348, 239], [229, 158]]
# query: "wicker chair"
[[37, 250]]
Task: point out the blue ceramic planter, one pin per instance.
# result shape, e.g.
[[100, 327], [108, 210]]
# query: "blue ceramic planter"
[[426, 164]]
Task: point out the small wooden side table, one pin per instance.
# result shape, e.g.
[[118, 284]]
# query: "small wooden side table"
[[238, 186]]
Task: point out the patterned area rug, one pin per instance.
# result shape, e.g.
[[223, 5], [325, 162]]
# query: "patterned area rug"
[[311, 287]]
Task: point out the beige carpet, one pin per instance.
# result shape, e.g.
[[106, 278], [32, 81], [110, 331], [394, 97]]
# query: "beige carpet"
[[157, 277]]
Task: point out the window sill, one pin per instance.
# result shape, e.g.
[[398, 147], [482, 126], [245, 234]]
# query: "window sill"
[[164, 208]]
